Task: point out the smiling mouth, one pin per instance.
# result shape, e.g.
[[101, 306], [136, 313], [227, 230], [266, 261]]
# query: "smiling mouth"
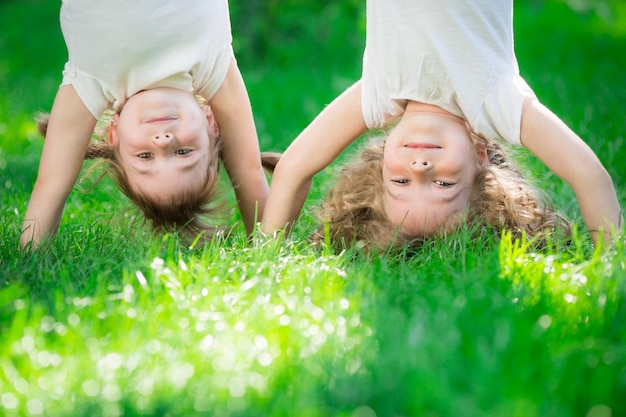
[[158, 120], [416, 145]]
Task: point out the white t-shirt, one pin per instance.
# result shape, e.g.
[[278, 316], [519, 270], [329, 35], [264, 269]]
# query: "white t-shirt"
[[119, 47], [457, 55]]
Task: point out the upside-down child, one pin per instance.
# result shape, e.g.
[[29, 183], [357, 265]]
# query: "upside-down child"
[[168, 73], [443, 78]]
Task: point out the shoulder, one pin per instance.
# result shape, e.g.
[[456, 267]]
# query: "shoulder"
[[500, 115]]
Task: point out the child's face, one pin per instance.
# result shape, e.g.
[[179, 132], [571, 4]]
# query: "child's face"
[[429, 167], [163, 139]]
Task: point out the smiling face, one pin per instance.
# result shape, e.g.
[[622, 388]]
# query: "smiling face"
[[429, 167], [163, 138]]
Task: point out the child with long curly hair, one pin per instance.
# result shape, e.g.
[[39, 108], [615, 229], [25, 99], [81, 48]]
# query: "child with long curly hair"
[[354, 209], [443, 78], [147, 62]]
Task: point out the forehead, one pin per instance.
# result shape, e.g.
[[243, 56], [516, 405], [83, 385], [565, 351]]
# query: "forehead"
[[168, 183], [419, 217]]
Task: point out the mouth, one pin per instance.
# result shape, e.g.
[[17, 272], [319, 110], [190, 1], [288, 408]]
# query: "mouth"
[[419, 145], [161, 120]]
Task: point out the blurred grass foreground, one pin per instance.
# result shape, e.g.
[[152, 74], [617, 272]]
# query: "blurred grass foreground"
[[112, 321]]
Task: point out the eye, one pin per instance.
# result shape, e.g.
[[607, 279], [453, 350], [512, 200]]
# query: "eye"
[[401, 181], [182, 151], [144, 155], [443, 184]]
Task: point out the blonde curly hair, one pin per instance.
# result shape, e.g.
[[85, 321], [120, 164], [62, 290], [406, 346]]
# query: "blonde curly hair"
[[353, 212]]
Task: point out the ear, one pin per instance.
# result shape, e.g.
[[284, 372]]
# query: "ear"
[[113, 137], [481, 155], [213, 128]]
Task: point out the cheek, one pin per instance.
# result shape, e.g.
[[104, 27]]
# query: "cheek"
[[461, 164], [471, 170], [129, 134], [391, 163]]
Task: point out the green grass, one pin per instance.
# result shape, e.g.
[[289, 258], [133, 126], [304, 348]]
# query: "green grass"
[[110, 320]]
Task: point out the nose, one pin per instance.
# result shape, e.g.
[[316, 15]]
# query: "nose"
[[421, 165], [163, 139]]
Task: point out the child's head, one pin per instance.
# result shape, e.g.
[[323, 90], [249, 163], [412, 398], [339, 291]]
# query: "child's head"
[[164, 142], [429, 166], [417, 185], [165, 153], [163, 150]]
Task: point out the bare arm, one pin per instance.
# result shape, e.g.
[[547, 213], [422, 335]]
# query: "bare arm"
[[569, 157], [69, 130], [314, 149], [240, 146]]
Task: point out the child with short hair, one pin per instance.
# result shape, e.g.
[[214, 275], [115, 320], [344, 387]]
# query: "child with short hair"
[[444, 77], [148, 62]]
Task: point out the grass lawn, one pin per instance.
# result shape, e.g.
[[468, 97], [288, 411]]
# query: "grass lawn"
[[110, 320]]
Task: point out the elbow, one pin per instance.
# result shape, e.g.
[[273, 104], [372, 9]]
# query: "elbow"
[[598, 176], [292, 170], [588, 176]]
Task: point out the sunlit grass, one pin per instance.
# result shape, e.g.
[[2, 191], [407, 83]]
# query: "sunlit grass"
[[220, 330], [262, 330]]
